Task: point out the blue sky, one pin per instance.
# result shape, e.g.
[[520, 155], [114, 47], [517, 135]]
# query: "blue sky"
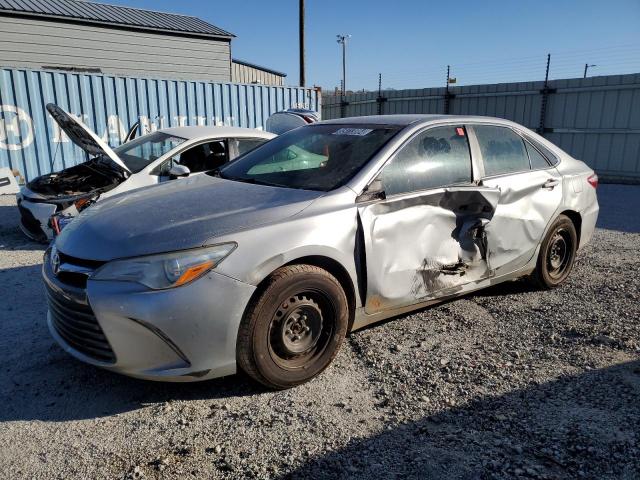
[[411, 42]]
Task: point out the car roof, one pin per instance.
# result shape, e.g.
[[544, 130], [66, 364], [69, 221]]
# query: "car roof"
[[406, 120], [202, 132]]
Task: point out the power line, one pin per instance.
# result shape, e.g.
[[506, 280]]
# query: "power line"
[[567, 61]]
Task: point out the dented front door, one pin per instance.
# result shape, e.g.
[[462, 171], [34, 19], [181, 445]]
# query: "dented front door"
[[426, 239], [425, 245]]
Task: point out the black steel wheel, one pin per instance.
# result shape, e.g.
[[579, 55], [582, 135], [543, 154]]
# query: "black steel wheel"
[[294, 327], [557, 254]]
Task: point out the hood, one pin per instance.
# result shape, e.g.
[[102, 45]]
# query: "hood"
[[82, 136], [176, 215]]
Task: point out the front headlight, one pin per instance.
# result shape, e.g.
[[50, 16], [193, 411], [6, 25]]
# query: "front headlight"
[[165, 270]]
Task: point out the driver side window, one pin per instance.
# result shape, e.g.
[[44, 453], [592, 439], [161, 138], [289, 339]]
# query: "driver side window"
[[199, 158], [203, 157], [437, 157]]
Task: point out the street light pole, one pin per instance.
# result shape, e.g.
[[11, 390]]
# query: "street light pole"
[[586, 67], [342, 39]]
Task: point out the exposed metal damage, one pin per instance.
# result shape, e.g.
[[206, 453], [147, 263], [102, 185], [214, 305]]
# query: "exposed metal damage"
[[447, 229]]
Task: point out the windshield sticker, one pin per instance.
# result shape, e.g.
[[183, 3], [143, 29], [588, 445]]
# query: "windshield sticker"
[[358, 132]]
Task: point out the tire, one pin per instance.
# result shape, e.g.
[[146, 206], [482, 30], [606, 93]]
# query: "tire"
[[292, 330], [557, 254]]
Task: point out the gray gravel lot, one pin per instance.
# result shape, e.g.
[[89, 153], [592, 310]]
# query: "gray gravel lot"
[[510, 382]]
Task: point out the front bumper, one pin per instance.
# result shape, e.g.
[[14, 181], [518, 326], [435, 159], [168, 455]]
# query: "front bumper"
[[183, 334], [34, 219]]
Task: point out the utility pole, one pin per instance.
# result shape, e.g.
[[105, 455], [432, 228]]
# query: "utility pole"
[[301, 32], [586, 68], [342, 39], [448, 76], [545, 96], [380, 100], [447, 95]]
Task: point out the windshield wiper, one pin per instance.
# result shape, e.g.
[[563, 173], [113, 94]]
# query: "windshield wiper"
[[216, 172], [254, 181]]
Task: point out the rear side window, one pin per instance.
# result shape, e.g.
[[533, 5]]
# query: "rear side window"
[[435, 158], [503, 151], [536, 158], [551, 157]]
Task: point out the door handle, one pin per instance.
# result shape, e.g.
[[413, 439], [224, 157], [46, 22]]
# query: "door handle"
[[550, 183]]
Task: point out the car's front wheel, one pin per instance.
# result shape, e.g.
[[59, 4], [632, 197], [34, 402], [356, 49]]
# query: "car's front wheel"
[[294, 327], [557, 254]]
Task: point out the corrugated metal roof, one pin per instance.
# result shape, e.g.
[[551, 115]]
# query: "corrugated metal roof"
[[135, 18], [257, 67]]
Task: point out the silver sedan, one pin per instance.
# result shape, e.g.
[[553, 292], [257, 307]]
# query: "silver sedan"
[[266, 264]]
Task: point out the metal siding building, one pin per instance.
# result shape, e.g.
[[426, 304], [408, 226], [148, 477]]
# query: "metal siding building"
[[595, 119], [84, 36], [31, 143], [245, 72]]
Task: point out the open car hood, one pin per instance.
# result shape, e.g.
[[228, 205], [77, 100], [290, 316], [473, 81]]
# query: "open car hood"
[[82, 136]]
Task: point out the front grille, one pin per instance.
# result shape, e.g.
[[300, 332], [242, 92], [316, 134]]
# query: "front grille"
[[93, 264], [75, 278], [78, 326]]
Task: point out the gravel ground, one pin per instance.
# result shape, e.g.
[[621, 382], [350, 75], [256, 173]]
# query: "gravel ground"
[[510, 382]]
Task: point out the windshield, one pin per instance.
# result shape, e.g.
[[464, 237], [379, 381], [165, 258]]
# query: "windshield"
[[315, 157], [140, 152]]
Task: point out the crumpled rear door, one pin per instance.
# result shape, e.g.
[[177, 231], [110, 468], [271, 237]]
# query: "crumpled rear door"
[[528, 203]]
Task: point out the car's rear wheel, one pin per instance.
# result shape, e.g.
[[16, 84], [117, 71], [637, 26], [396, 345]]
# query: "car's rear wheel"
[[293, 329], [557, 254]]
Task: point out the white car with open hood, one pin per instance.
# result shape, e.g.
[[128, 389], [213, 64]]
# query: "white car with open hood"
[[49, 202]]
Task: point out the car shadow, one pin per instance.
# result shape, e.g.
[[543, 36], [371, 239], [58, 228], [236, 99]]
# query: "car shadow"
[[11, 237], [50, 385], [514, 287], [40, 381], [581, 426]]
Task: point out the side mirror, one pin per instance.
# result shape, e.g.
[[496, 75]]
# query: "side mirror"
[[178, 171], [375, 191]]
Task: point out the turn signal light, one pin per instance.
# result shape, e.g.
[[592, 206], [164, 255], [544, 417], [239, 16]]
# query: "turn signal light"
[[593, 180]]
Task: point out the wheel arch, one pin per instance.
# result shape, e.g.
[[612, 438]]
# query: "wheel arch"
[[329, 264], [576, 219]]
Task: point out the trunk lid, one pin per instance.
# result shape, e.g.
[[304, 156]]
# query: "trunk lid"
[[82, 136]]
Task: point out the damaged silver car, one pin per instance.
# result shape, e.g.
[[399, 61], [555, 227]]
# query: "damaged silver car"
[[49, 202], [266, 264]]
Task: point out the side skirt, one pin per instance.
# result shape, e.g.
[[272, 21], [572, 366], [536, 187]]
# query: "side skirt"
[[362, 319]]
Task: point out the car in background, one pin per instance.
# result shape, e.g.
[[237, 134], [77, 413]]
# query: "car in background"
[[285, 120], [51, 201], [265, 264]]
